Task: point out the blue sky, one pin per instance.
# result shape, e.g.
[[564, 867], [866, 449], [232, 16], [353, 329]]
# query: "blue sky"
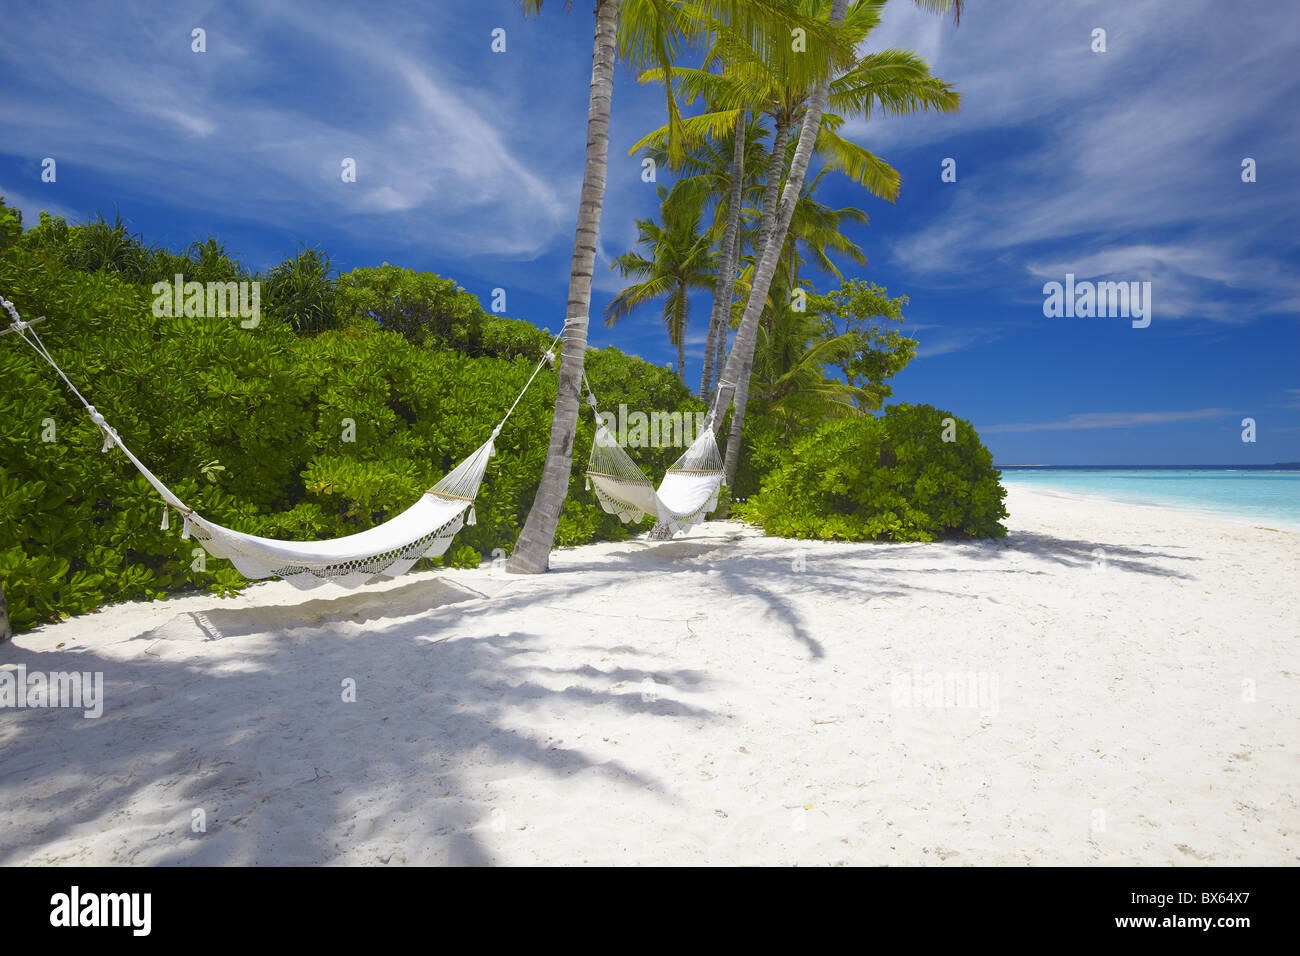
[[1122, 166]]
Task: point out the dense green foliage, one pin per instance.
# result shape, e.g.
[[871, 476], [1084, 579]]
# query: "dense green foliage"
[[247, 425], [101, 245], [892, 477], [834, 360]]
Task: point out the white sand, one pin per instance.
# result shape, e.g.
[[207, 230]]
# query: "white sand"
[[699, 701]]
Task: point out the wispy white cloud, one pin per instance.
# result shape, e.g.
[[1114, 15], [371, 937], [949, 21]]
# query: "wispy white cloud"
[[939, 338], [1090, 420], [1123, 163], [118, 90]]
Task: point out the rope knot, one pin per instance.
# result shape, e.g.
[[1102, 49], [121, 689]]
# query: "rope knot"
[[550, 357], [495, 432], [95, 417]]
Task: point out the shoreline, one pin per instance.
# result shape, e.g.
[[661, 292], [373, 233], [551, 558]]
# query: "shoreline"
[[1236, 517]]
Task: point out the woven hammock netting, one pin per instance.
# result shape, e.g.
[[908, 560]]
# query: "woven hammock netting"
[[688, 492], [424, 530]]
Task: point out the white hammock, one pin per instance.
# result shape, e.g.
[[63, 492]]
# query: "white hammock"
[[424, 530], [688, 492]]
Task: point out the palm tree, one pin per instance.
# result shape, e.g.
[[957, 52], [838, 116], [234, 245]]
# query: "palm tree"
[[891, 82], [680, 259], [790, 364], [728, 171], [780, 90], [726, 281], [776, 88], [643, 31], [532, 550], [795, 345], [817, 229]]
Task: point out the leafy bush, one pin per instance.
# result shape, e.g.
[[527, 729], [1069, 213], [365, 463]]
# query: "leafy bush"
[[248, 427], [764, 445], [431, 311], [103, 246], [11, 225], [423, 308], [302, 292], [892, 478]]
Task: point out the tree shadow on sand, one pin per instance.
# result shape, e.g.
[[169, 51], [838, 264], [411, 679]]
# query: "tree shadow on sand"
[[859, 572], [769, 578], [260, 740], [1077, 553]]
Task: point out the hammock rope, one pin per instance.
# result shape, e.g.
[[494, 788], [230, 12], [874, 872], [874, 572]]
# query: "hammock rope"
[[424, 530]]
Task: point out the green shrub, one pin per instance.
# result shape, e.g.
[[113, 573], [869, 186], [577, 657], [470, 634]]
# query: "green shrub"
[[11, 225], [891, 478], [302, 292], [423, 308], [763, 447], [99, 245]]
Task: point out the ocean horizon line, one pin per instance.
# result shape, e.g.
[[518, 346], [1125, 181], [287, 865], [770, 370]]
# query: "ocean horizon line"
[[1280, 465]]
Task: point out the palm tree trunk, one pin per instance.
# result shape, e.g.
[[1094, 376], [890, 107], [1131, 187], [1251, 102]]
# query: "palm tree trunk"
[[719, 323], [5, 631], [772, 189], [771, 192], [533, 549], [681, 355], [711, 342], [725, 329], [741, 361]]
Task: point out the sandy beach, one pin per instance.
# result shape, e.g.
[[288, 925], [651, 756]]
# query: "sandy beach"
[[1111, 684]]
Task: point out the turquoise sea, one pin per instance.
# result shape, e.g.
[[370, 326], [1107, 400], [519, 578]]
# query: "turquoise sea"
[[1254, 492]]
